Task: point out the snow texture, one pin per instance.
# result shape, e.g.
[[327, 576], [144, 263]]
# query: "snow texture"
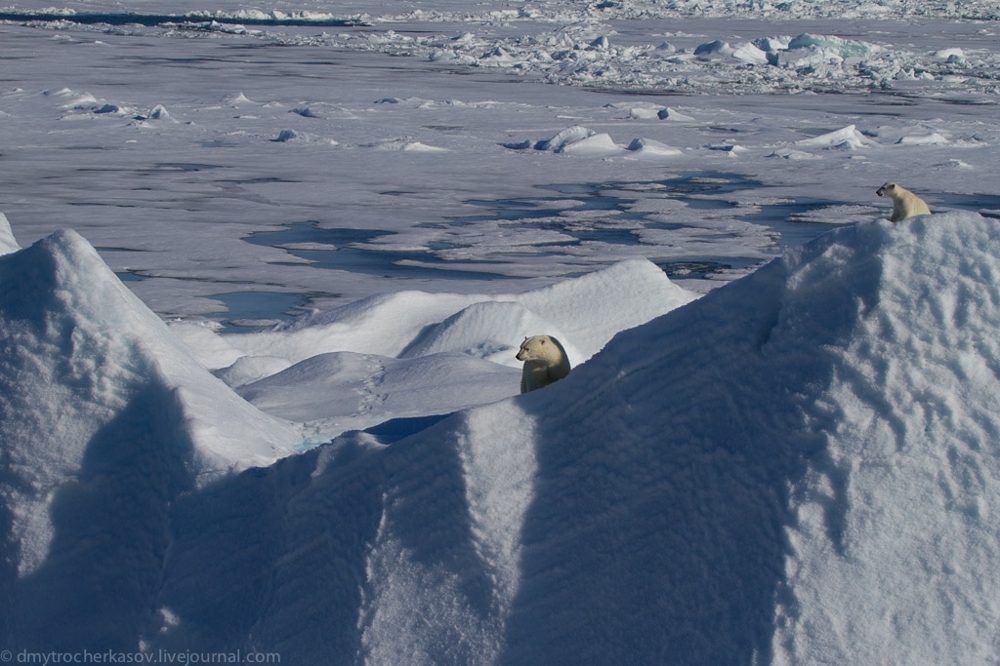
[[263, 396], [797, 468]]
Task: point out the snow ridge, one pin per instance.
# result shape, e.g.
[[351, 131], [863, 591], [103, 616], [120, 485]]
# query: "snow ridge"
[[105, 419], [800, 467]]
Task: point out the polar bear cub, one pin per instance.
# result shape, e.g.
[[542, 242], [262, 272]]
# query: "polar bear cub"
[[904, 202], [545, 361]]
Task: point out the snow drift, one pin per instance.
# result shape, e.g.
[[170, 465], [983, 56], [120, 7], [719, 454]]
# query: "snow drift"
[[414, 354], [800, 467], [105, 418]]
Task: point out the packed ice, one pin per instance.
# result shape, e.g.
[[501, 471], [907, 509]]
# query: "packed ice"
[[264, 270]]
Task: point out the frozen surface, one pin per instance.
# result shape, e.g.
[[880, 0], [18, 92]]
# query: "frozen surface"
[[797, 468], [412, 354], [249, 163], [262, 396]]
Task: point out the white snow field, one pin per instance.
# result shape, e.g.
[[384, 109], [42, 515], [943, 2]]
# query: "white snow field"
[[798, 468], [264, 268]]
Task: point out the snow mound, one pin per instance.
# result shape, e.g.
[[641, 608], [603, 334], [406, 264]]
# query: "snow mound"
[[932, 139], [565, 138], [750, 53], [644, 112], [587, 311], [598, 145], [804, 456], [800, 467], [847, 138], [8, 243], [952, 56], [347, 387], [676, 116], [650, 111], [405, 145], [90, 378], [716, 49], [652, 148], [591, 309], [487, 330], [775, 474], [468, 342], [720, 50], [810, 55], [583, 142], [158, 112]]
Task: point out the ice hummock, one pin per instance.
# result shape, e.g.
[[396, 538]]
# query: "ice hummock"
[[412, 354], [800, 467], [8, 243], [87, 372]]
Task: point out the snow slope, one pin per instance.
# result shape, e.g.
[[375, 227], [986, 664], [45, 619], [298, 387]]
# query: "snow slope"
[[800, 467], [412, 354], [105, 418], [800, 476], [8, 243], [412, 323]]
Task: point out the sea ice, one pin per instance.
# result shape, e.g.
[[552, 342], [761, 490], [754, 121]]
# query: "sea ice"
[[798, 467], [801, 453]]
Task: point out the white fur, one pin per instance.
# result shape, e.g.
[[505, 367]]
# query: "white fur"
[[904, 202], [545, 361]]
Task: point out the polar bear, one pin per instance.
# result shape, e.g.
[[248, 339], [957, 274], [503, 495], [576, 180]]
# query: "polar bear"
[[904, 202], [545, 361]]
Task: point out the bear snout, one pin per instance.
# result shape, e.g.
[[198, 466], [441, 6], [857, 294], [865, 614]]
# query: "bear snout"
[[886, 189]]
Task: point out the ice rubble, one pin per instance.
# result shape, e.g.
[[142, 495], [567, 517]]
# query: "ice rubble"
[[584, 142], [580, 54], [801, 467], [847, 138], [229, 12], [585, 49]]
